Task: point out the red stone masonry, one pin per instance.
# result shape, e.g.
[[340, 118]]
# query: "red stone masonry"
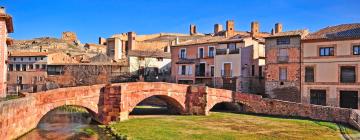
[[114, 103]]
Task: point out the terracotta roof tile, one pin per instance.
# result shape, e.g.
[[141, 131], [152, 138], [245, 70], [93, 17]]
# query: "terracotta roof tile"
[[28, 54], [290, 33], [337, 32], [149, 54]]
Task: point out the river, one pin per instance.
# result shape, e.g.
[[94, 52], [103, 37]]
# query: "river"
[[62, 124]]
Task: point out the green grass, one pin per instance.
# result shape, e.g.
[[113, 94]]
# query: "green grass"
[[227, 126]]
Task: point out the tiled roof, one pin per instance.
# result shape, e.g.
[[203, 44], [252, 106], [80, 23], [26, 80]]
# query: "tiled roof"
[[153, 54], [28, 54], [203, 40], [337, 32], [290, 33]]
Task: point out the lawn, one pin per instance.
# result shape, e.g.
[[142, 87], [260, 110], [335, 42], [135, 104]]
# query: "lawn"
[[228, 126]]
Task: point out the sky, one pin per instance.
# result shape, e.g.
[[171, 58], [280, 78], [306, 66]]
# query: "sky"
[[91, 19]]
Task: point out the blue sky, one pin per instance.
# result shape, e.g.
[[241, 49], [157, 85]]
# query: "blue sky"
[[93, 18]]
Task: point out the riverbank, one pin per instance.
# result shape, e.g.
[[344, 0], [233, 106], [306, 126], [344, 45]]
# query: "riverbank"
[[228, 126]]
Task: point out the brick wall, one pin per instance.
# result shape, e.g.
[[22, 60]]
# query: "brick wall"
[[3, 57]]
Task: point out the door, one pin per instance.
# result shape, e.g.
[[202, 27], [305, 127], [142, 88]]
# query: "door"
[[349, 99], [227, 70], [318, 97]]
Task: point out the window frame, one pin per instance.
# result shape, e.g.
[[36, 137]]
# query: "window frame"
[[313, 74], [331, 49], [283, 41], [180, 52], [286, 74], [213, 52], [358, 48], [341, 80], [203, 52]]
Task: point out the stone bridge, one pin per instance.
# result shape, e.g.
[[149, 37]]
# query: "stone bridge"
[[114, 103]]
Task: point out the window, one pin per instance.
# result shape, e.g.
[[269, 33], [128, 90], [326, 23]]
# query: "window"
[[260, 71], [283, 55], [141, 58], [22, 59], [309, 74], [36, 59], [252, 70], [31, 66], [37, 66], [183, 69], [356, 50], [17, 67], [212, 70], [232, 46], [23, 68], [11, 67], [182, 53], [283, 41], [14, 59], [326, 51], [160, 59], [200, 52], [42, 58], [347, 74], [43, 66], [211, 51], [318, 97], [29, 58], [283, 74], [166, 49], [55, 70]]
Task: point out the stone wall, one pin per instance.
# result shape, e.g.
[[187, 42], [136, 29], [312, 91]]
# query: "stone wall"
[[19, 116], [115, 102]]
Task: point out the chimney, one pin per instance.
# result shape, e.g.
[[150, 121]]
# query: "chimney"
[[102, 41], [193, 29], [272, 31], [278, 28], [230, 28], [131, 40], [217, 28], [2, 10], [254, 28]]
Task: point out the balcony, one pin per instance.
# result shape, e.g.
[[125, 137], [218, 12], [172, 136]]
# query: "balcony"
[[227, 51], [226, 73], [202, 74], [283, 59]]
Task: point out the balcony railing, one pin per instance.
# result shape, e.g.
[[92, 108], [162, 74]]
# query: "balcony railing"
[[226, 73], [283, 59], [203, 74], [227, 51]]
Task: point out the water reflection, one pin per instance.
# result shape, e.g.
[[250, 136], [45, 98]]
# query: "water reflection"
[[67, 123]]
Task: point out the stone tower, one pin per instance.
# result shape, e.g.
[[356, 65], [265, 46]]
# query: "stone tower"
[[131, 40], [230, 28], [193, 29], [69, 37], [6, 26], [217, 28]]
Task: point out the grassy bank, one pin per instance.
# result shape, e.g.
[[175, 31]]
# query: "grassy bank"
[[227, 126]]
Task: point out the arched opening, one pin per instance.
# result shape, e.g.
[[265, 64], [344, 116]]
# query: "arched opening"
[[157, 105], [67, 122], [233, 107]]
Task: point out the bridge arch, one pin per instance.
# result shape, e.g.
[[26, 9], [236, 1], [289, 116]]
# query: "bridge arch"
[[46, 109], [173, 104]]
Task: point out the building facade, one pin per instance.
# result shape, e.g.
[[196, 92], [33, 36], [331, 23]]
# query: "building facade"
[[6, 26], [26, 72], [240, 64], [283, 75], [331, 66]]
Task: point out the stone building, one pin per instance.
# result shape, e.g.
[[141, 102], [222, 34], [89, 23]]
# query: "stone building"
[[153, 66], [217, 59], [283, 64], [82, 74], [95, 48], [69, 37], [6, 26], [26, 72], [331, 66]]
